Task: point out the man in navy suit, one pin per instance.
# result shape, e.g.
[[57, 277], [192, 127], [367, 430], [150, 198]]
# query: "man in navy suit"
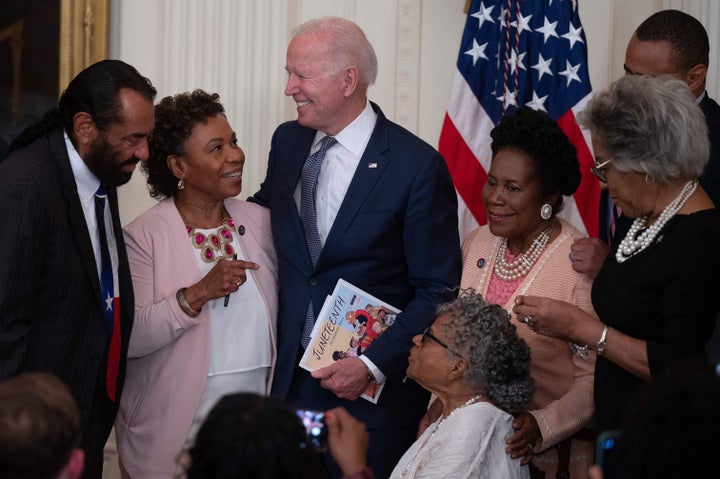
[[386, 218], [53, 257]]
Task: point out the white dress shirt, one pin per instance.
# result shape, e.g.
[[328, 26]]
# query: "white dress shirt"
[[87, 184]]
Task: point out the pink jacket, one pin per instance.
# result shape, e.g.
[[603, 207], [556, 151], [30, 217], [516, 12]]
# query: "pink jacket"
[[168, 353]]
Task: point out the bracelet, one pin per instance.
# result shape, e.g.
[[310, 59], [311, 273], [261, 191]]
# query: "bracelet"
[[601, 344], [184, 305]]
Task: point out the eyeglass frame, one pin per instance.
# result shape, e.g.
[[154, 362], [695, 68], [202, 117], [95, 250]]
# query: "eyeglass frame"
[[428, 334], [599, 170]]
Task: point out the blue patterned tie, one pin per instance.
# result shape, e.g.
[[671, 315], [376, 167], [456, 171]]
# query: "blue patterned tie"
[[111, 304], [308, 216], [106, 276]]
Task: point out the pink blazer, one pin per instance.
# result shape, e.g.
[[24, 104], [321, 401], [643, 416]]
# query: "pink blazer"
[[168, 356]]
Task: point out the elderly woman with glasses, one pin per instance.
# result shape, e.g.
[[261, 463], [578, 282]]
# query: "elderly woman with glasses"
[[656, 294], [472, 359]]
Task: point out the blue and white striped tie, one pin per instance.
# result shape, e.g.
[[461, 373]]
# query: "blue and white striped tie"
[[308, 216]]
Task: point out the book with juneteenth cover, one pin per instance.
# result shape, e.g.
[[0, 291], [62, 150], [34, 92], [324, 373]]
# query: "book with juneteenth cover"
[[348, 323]]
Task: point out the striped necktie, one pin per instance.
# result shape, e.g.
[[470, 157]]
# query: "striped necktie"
[[308, 216]]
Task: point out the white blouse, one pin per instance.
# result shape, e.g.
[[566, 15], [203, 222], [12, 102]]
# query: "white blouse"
[[468, 444]]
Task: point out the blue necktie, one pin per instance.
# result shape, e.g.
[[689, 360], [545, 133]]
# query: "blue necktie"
[[106, 275], [111, 305], [308, 216]]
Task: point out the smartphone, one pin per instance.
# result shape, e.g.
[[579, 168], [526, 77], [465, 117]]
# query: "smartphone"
[[314, 422], [606, 453]]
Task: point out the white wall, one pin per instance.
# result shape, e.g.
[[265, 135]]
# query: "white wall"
[[237, 48]]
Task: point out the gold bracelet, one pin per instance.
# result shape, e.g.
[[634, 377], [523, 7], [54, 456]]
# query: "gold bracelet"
[[184, 305]]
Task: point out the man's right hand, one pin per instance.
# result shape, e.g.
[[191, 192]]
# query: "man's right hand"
[[587, 256]]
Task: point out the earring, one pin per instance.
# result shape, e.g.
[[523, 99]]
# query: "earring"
[[649, 179], [181, 184], [546, 211]]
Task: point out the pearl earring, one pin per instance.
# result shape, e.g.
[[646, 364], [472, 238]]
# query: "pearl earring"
[[181, 184], [546, 211]]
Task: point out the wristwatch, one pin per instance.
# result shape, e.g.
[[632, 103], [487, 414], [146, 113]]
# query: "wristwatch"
[[370, 375]]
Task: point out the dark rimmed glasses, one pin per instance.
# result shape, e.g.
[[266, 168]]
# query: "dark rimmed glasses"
[[428, 334], [599, 170]]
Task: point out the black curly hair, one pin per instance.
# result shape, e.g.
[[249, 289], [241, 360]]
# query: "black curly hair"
[[555, 158], [175, 117], [250, 436]]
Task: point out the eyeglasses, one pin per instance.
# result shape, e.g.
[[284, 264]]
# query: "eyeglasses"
[[428, 334], [599, 170]]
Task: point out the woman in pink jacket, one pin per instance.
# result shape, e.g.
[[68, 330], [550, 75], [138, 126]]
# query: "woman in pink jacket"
[[524, 250], [205, 281]]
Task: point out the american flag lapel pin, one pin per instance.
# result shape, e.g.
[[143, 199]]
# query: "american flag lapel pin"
[[372, 165]]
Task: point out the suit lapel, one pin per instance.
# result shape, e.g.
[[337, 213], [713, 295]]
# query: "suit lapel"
[[290, 169], [75, 214], [369, 170]]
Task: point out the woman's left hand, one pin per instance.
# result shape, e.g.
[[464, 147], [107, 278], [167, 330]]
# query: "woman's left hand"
[[526, 435], [547, 316]]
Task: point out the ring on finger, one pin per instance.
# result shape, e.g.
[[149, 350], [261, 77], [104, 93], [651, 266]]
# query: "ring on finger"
[[572, 255], [527, 320]]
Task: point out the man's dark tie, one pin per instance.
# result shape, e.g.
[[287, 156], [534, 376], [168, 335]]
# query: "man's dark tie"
[[308, 216], [111, 304]]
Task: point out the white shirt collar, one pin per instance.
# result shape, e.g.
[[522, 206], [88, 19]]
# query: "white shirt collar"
[[87, 183], [356, 135]]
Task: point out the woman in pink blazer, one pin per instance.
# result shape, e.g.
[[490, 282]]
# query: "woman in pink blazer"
[[205, 279]]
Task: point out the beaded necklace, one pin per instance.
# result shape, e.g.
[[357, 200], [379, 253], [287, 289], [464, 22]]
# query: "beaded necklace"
[[633, 243], [520, 266], [435, 429], [215, 245]]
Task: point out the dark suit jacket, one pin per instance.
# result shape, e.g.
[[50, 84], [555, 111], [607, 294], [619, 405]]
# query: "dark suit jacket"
[[51, 312], [710, 179], [395, 236]]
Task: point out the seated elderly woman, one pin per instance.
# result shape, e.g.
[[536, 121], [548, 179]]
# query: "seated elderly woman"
[[472, 359], [656, 294]]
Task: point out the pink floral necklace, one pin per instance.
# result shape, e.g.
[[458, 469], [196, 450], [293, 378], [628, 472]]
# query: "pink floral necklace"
[[214, 245]]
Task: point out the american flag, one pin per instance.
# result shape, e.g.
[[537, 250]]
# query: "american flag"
[[517, 53]]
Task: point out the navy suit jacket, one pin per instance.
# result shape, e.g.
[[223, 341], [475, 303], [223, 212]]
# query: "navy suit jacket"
[[395, 236], [710, 179], [51, 313]]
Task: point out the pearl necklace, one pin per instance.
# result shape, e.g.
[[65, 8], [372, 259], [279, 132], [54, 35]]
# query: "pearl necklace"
[[435, 429], [632, 245], [521, 265]]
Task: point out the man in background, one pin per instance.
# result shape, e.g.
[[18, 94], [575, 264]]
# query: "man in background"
[[39, 429], [66, 301], [355, 196]]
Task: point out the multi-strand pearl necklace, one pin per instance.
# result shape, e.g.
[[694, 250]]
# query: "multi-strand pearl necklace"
[[435, 429], [521, 265], [630, 245]]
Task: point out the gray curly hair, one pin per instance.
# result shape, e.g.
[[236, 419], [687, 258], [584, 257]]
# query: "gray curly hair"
[[499, 360], [650, 125]]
